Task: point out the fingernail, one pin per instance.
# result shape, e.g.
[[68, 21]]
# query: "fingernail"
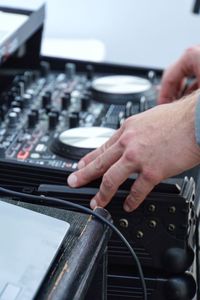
[[93, 203], [81, 164], [127, 208], [72, 180]]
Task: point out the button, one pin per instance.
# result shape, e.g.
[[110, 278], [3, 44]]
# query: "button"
[[35, 155], [41, 148], [23, 154]]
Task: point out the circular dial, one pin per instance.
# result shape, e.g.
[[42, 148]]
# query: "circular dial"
[[76, 142], [121, 84], [119, 89]]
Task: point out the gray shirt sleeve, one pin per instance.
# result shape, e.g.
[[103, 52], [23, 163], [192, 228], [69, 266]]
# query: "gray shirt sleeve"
[[197, 122]]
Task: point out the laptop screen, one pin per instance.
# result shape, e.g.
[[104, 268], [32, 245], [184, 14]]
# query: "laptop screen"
[[10, 22], [29, 243]]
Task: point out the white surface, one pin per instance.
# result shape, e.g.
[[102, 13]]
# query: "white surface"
[[9, 24], [29, 243], [121, 84], [29, 4], [86, 137], [83, 49], [134, 32]]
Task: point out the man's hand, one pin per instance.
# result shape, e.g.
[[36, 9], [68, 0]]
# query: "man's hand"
[[156, 144], [174, 81]]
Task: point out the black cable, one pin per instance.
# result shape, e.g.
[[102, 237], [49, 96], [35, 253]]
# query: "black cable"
[[49, 201]]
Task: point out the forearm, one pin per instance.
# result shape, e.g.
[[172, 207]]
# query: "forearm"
[[197, 118]]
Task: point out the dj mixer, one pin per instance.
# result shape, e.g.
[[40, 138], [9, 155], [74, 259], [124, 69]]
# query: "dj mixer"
[[53, 112]]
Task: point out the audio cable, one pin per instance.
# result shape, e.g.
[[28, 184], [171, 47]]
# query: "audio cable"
[[64, 204]]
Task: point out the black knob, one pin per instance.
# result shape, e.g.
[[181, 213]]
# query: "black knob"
[[70, 70], [28, 77], [143, 104], [128, 109], [53, 120], [15, 90], [46, 100], [56, 112], [36, 111], [9, 98], [152, 76], [2, 151], [32, 119], [73, 120], [21, 87], [27, 100], [20, 100], [84, 103], [65, 101], [12, 119], [45, 68], [15, 104], [3, 111], [121, 118], [89, 72]]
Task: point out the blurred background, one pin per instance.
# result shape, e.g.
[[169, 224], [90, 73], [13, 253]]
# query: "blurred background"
[[150, 33]]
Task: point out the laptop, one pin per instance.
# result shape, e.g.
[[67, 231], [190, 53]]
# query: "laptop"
[[10, 22], [29, 242]]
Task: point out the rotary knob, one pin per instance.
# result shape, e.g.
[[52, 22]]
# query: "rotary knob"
[[32, 119], [12, 119], [65, 101], [73, 120], [70, 70], [46, 100], [84, 103], [53, 120]]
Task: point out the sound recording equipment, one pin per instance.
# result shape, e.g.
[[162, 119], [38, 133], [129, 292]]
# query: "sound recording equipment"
[[53, 112]]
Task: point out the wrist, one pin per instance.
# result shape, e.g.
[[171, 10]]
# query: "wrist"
[[197, 119], [189, 129]]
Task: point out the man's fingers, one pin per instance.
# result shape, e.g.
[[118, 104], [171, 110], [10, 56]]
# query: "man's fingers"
[[111, 181], [92, 155], [139, 190], [95, 168], [171, 84], [187, 66]]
